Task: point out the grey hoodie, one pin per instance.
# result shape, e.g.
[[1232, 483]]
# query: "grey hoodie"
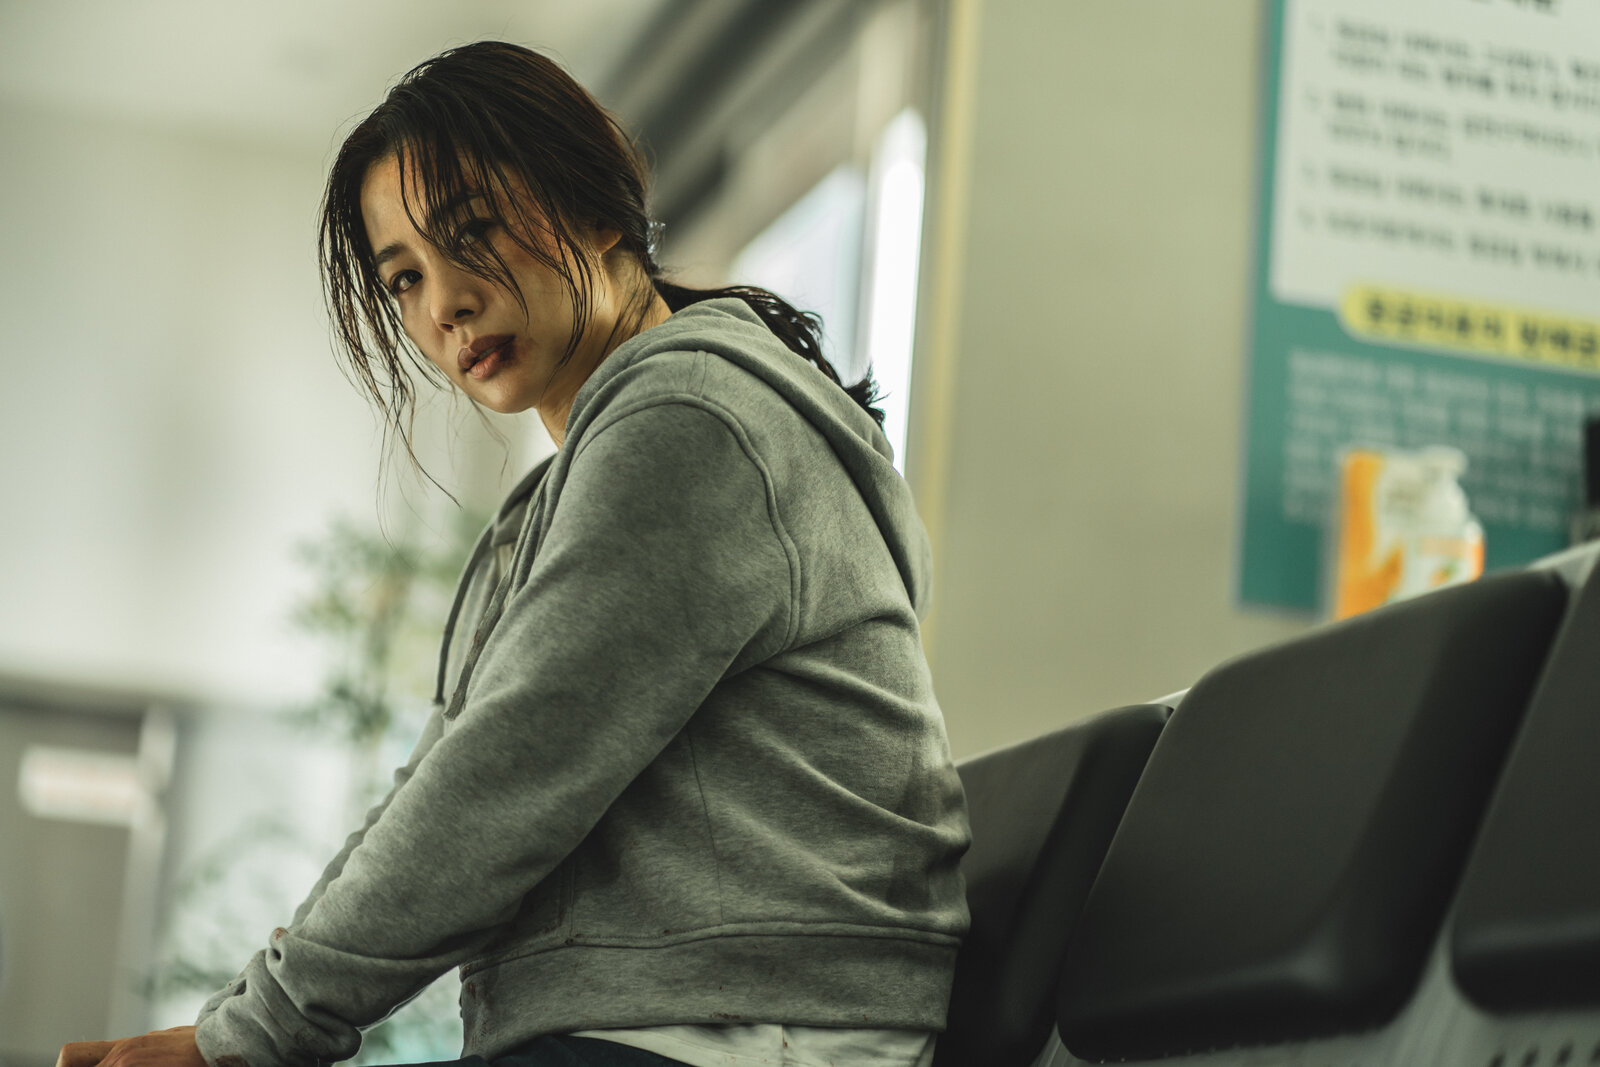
[[691, 768]]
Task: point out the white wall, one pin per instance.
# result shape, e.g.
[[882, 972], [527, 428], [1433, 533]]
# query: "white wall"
[[1078, 390], [173, 425], [171, 416]]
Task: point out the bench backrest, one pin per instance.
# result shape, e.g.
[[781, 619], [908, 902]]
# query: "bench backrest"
[[1043, 813], [1286, 861]]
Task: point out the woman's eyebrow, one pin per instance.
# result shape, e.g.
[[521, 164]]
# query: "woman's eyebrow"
[[448, 209], [444, 211], [386, 253]]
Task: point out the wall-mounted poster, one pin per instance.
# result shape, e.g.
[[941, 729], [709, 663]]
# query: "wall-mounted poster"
[[1427, 265]]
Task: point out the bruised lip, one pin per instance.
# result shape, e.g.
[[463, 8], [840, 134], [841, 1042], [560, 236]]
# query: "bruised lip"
[[481, 357]]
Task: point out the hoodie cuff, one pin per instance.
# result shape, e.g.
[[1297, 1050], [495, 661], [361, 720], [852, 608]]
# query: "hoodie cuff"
[[252, 1022]]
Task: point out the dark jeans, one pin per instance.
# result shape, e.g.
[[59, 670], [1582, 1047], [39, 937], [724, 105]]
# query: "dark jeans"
[[562, 1051]]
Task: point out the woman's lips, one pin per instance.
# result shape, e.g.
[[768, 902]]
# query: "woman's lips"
[[486, 356]]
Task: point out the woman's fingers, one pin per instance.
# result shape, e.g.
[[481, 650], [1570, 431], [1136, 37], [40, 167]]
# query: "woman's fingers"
[[160, 1048], [83, 1053]]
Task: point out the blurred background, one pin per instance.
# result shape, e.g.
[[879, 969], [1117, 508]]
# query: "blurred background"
[[1042, 224]]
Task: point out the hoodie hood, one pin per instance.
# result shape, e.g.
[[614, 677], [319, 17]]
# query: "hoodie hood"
[[727, 328]]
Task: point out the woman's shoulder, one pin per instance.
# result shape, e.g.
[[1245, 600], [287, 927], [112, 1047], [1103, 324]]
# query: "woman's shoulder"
[[730, 371], [720, 357]]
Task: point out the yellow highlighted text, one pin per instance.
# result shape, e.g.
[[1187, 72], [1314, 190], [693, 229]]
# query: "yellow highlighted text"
[[1470, 327]]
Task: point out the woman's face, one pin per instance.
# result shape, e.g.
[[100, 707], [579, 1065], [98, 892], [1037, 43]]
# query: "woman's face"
[[474, 331]]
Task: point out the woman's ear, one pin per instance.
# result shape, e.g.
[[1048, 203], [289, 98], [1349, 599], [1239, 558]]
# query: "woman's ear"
[[605, 240]]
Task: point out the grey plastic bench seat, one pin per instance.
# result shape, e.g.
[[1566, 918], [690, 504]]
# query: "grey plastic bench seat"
[[1284, 866], [1526, 934], [1043, 813]]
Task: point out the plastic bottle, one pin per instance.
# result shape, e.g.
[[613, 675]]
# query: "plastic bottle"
[[1403, 527]]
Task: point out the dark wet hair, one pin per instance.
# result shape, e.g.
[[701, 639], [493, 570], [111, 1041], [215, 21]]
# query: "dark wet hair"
[[508, 122]]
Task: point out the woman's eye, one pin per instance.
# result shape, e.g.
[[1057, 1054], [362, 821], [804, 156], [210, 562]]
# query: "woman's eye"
[[473, 231], [402, 281]]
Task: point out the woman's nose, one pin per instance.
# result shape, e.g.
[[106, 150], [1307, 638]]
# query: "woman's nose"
[[448, 322], [456, 300]]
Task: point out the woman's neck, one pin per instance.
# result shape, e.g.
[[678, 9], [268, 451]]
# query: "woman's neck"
[[646, 309]]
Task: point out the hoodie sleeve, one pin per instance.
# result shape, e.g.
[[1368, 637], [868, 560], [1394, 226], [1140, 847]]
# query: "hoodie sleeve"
[[664, 566]]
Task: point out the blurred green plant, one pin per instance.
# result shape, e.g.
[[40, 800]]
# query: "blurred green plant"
[[377, 605]]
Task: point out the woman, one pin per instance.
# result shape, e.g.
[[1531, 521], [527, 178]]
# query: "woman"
[[686, 795]]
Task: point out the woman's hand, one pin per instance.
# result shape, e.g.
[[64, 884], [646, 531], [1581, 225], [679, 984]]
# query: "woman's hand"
[[160, 1048]]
